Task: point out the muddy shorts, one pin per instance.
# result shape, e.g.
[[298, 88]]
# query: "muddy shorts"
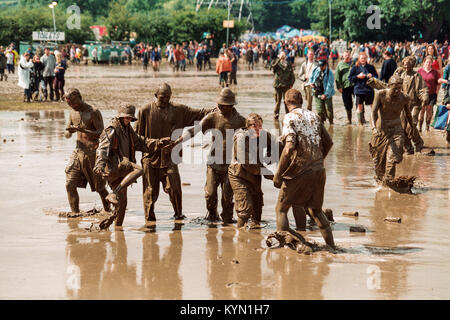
[[248, 197], [79, 171], [306, 190]]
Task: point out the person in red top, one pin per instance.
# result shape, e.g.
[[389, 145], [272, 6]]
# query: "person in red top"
[[180, 59], [223, 66], [431, 77], [437, 60]]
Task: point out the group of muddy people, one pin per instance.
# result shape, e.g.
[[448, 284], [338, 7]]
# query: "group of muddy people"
[[239, 157], [237, 162]]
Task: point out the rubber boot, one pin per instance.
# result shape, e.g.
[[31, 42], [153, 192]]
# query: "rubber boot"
[[428, 125], [363, 119], [359, 118], [212, 216], [128, 180], [349, 116]]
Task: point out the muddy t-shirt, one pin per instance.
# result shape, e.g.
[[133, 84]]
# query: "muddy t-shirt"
[[221, 128], [305, 130]]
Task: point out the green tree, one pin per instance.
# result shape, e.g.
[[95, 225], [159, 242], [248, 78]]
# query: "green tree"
[[120, 21]]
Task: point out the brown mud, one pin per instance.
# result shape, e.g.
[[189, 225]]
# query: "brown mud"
[[189, 259]]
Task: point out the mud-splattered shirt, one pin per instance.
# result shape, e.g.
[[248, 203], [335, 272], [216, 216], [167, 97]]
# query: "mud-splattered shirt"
[[312, 142]]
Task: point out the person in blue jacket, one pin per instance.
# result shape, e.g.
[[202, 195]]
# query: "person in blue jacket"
[[359, 74], [322, 83]]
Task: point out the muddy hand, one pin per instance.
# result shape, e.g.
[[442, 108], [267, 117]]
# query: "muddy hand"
[[72, 129]]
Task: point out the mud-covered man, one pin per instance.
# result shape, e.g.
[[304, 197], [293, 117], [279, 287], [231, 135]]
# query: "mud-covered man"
[[223, 122], [158, 120], [283, 81], [116, 157], [301, 173], [248, 165], [386, 145], [87, 122]]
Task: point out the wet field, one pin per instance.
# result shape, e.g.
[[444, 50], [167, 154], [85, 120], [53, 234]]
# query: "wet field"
[[44, 256]]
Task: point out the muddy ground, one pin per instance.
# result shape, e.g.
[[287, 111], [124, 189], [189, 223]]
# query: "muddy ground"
[[45, 256]]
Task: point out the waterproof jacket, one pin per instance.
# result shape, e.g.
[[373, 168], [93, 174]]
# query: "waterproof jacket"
[[223, 64], [342, 72], [284, 74], [328, 81], [361, 87]]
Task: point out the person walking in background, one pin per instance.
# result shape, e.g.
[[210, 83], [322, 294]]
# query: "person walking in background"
[[156, 58], [359, 74], [60, 70], [223, 66], [388, 68], [305, 74], [10, 61], [431, 78], [322, 82], [25, 66], [3, 60], [49, 62], [234, 62], [95, 55], [437, 60], [37, 78], [343, 84], [284, 80]]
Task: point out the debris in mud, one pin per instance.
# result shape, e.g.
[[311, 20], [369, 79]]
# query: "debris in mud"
[[4, 140], [88, 213], [402, 184], [329, 214], [357, 229], [293, 240], [431, 153], [234, 261], [351, 214], [186, 184], [393, 219]]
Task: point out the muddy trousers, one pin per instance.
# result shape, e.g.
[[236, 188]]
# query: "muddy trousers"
[[171, 181], [411, 133], [324, 109], [79, 173], [120, 186], [214, 179], [386, 149], [304, 191], [279, 95], [248, 198], [59, 88]]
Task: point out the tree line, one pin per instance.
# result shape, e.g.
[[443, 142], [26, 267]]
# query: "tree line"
[[159, 21]]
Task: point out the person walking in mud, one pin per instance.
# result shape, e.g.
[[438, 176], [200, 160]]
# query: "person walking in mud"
[[116, 159], [283, 81], [304, 75], [322, 83], [247, 167], [343, 84], [159, 119], [225, 119], [386, 145], [87, 122], [301, 174]]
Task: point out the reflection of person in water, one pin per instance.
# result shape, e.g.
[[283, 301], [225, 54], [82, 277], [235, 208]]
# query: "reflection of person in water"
[[295, 277], [87, 252], [345, 154], [118, 279], [160, 278], [411, 208]]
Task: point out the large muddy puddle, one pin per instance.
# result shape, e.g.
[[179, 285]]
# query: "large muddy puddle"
[[47, 256]]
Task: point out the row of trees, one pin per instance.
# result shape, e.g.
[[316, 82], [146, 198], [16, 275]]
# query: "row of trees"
[[159, 21]]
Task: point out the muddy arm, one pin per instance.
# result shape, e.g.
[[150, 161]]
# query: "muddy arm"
[[285, 159], [68, 133], [376, 107], [102, 153]]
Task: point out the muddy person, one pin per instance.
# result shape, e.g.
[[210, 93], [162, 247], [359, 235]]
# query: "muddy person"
[[87, 122], [322, 83], [301, 173], [222, 122], [156, 120], [116, 159], [386, 145], [247, 167], [283, 81], [415, 87]]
